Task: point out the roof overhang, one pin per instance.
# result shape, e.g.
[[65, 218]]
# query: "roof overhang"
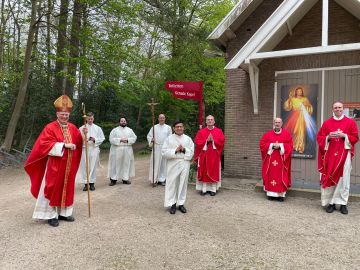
[[276, 27], [225, 31]]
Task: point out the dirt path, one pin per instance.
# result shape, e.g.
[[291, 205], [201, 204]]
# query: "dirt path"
[[130, 229]]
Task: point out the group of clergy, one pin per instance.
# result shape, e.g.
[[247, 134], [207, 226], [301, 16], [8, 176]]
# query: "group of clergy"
[[336, 139], [53, 164], [62, 152]]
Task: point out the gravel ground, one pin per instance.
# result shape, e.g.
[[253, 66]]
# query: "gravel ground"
[[130, 229]]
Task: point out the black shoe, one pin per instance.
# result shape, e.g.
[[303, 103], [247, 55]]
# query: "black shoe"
[[281, 199], [173, 209], [92, 186], [54, 222], [86, 187], [270, 198], [112, 182], [330, 208], [161, 183], [202, 193], [68, 219], [182, 209], [212, 193], [344, 210], [126, 182]]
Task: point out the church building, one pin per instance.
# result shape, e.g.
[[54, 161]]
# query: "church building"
[[282, 50]]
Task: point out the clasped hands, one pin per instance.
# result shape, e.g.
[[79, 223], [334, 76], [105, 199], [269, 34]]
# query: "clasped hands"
[[210, 138], [276, 145], [180, 149], [337, 134], [123, 140]]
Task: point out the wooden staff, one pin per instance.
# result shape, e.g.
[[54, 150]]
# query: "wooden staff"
[[152, 105], [86, 156]]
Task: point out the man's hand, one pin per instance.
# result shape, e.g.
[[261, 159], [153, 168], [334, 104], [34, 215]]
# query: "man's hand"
[[337, 134], [276, 145], [92, 139], [124, 140], [85, 130], [210, 138], [70, 146], [179, 149]]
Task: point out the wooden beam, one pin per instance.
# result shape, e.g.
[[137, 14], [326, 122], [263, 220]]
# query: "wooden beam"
[[254, 83], [304, 51], [289, 27], [325, 22]]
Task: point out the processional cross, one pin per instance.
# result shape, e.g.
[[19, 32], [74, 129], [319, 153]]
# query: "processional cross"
[[152, 105]]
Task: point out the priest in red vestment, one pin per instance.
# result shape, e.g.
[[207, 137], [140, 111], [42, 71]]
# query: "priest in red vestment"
[[276, 148], [336, 138], [209, 143], [52, 166]]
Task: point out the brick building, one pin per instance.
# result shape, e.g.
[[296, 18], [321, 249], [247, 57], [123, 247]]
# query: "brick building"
[[273, 45]]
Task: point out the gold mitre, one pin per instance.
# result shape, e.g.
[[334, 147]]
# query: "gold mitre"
[[63, 104]]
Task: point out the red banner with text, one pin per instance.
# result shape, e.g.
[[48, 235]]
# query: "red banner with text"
[[187, 90]]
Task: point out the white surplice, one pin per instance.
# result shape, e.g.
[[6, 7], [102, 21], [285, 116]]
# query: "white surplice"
[[95, 132], [121, 157], [177, 168], [161, 133]]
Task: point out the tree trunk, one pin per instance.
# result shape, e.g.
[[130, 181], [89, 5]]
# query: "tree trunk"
[[60, 52], [74, 48], [24, 82], [2, 32], [82, 75], [48, 40]]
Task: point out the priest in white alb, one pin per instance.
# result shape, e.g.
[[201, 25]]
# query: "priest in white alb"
[[178, 149], [157, 172], [121, 157], [95, 137]]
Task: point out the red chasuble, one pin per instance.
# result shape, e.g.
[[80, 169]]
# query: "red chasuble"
[[331, 161], [276, 168], [59, 172], [209, 160]]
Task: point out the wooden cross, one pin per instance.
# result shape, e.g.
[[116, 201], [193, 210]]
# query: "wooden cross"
[[152, 105], [273, 182]]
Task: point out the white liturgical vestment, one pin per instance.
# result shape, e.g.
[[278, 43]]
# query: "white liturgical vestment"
[[161, 133], [177, 168], [95, 132], [121, 157]]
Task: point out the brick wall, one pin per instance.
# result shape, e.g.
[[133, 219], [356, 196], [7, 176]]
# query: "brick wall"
[[243, 129]]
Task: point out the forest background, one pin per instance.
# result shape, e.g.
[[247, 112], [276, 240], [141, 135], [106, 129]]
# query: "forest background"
[[113, 55]]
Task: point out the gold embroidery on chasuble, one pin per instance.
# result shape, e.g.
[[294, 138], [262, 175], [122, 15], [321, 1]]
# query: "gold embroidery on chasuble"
[[67, 139]]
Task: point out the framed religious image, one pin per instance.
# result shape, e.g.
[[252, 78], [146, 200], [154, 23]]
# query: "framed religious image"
[[352, 110], [298, 111]]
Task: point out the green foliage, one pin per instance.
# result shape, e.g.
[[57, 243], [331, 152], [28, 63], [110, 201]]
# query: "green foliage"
[[128, 50]]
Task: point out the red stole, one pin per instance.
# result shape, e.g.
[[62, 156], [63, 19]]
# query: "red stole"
[[331, 161], [209, 161], [276, 168], [60, 171]]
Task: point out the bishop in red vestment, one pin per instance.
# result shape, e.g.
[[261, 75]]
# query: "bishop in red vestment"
[[336, 138], [52, 166], [276, 148], [209, 143]]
